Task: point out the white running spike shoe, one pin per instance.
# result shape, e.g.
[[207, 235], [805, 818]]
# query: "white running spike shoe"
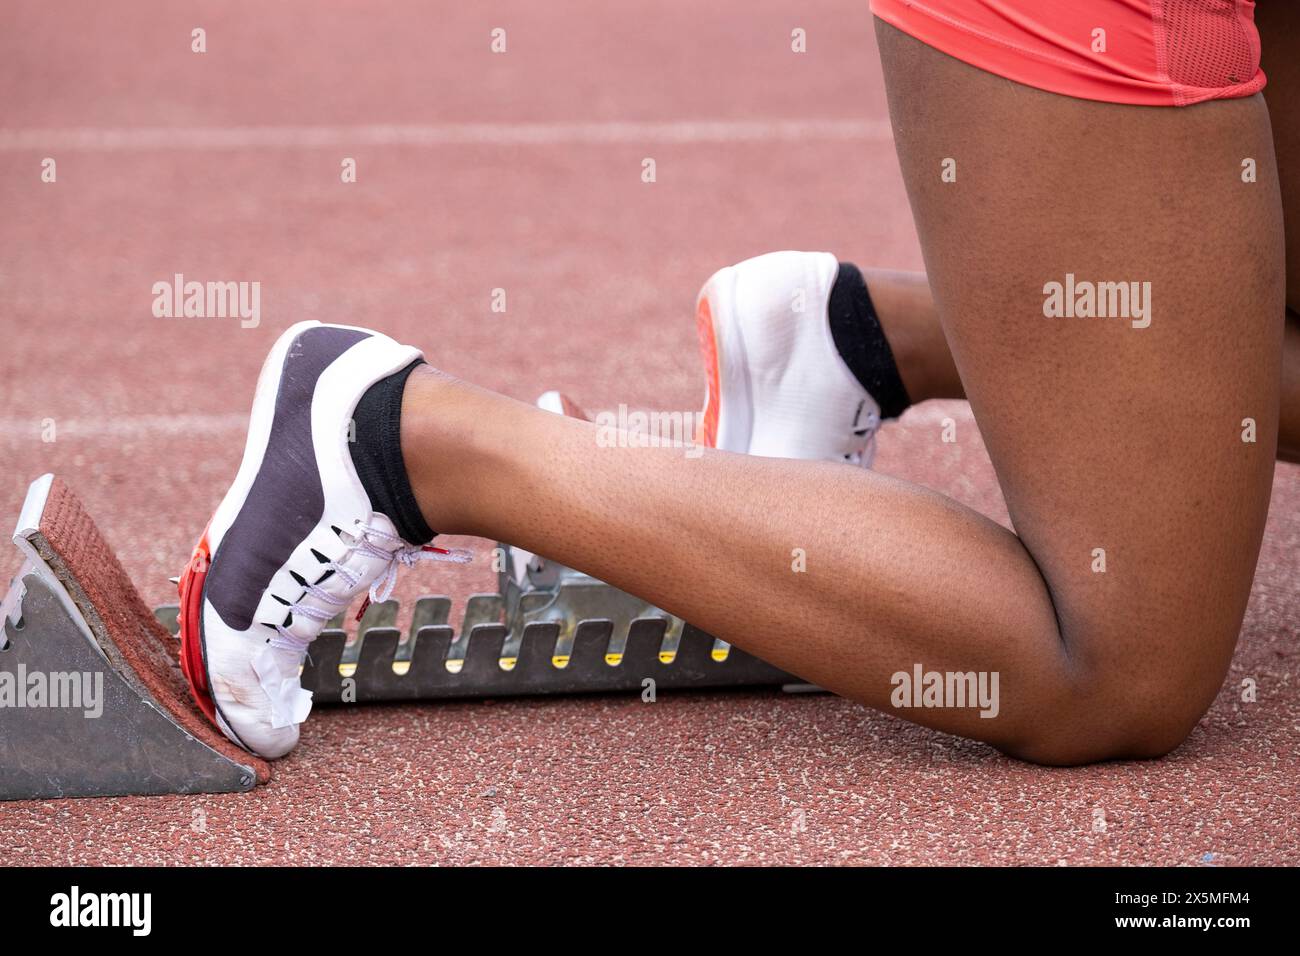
[[777, 386], [294, 541]]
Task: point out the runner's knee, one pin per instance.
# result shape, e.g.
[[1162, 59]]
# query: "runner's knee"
[[1126, 709]]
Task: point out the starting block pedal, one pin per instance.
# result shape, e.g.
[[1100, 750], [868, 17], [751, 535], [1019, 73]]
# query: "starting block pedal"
[[92, 701]]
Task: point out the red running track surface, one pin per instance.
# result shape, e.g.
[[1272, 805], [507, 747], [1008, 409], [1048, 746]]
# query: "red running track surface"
[[522, 171]]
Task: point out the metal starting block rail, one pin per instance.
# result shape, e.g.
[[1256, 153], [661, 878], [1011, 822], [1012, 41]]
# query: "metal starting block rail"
[[548, 630]]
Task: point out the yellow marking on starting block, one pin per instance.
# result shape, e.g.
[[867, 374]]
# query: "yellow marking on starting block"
[[508, 663], [560, 660], [347, 670], [667, 657], [719, 654], [613, 660], [401, 668], [454, 666]]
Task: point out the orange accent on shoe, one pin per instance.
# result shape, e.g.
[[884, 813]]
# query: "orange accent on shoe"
[[191, 612], [706, 433]]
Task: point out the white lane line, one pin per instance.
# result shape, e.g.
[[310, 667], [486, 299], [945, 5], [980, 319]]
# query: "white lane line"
[[194, 425], [442, 134], [124, 426]]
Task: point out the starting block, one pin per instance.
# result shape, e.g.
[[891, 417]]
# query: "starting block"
[[92, 701]]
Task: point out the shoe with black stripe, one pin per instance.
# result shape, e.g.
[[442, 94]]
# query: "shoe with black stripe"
[[294, 541]]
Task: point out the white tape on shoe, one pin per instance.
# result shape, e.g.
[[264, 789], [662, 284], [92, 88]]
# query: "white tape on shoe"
[[290, 704]]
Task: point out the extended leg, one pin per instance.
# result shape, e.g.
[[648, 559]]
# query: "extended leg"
[[1112, 618]]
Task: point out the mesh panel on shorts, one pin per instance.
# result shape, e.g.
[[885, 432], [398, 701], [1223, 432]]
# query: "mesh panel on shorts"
[[1207, 44]]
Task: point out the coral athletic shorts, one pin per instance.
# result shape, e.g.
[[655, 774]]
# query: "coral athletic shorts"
[[1142, 52]]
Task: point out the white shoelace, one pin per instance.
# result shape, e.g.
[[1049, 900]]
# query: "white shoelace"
[[406, 555]]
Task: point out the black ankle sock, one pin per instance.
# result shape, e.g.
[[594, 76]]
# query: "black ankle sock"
[[377, 455], [862, 344]]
